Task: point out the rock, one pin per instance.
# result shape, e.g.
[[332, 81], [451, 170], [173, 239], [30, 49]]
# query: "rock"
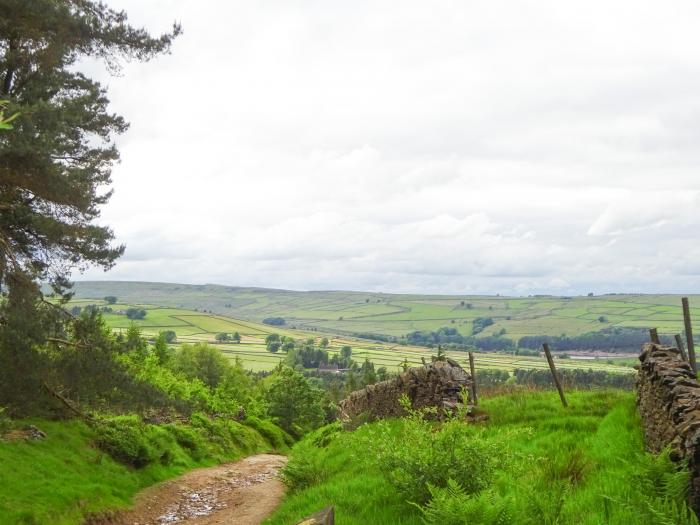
[[34, 433], [438, 385], [322, 517], [668, 400]]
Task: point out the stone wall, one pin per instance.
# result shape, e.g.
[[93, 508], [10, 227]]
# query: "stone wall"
[[668, 399], [436, 384]]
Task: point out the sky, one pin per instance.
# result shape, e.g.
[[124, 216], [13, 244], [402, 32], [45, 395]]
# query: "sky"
[[429, 147]]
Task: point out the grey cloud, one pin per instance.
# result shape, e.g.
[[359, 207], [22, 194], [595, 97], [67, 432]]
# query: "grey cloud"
[[442, 147]]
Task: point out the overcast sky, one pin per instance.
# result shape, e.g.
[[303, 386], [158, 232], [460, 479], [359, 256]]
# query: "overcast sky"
[[416, 146]]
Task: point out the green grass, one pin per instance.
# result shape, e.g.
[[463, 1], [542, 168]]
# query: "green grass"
[[64, 478], [191, 327], [394, 314], [584, 465]]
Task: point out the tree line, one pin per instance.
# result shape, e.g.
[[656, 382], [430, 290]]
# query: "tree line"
[[611, 339]]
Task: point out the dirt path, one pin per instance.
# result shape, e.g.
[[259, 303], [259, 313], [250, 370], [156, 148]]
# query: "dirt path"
[[240, 493]]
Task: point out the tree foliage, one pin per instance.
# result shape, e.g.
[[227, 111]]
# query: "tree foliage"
[[136, 313], [293, 403], [55, 165]]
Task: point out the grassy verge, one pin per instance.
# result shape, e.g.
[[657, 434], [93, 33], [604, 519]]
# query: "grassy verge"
[[65, 477], [584, 465]]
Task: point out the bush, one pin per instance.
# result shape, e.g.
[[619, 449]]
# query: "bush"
[[308, 465], [229, 435], [273, 434], [323, 436], [304, 470], [136, 313], [188, 439], [422, 454], [125, 439]]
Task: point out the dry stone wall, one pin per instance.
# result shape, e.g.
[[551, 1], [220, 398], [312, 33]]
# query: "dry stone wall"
[[668, 399], [438, 384]]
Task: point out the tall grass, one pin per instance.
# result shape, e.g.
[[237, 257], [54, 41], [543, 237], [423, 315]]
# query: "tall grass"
[[584, 465]]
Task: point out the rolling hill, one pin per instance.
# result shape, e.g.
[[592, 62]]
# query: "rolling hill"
[[351, 313]]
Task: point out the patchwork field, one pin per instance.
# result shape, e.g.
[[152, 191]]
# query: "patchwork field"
[[349, 313], [193, 326]]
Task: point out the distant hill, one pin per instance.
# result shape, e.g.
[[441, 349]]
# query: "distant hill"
[[385, 314]]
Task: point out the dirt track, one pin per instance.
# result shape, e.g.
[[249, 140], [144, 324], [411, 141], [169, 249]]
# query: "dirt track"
[[240, 493]]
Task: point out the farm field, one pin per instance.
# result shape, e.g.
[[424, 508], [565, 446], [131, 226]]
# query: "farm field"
[[193, 326], [351, 313]]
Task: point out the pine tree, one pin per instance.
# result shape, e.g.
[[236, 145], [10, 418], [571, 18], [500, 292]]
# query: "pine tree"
[[55, 165]]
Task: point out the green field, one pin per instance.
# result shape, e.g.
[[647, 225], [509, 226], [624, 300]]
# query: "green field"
[[192, 327], [396, 315]]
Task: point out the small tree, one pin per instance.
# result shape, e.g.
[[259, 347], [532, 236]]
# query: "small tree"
[[201, 361], [110, 299], [346, 352], [222, 337], [169, 335], [324, 343], [161, 350], [236, 337], [135, 342], [369, 377], [273, 343], [293, 402], [135, 313]]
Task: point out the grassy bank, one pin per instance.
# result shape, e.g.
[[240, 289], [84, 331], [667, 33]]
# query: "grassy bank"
[[65, 477], [584, 465]]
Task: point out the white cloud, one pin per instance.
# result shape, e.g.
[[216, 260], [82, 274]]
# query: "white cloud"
[[434, 147]]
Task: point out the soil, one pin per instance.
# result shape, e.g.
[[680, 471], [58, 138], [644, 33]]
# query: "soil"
[[240, 493]]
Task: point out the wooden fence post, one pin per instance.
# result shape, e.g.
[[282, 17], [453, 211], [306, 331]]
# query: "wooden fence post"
[[681, 347], [553, 369], [475, 399], [689, 334], [654, 334]]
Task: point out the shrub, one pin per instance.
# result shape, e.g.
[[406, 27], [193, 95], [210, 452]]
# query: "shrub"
[[273, 434], [136, 313], [188, 439], [424, 454], [304, 470], [124, 438], [323, 436], [229, 435], [309, 463]]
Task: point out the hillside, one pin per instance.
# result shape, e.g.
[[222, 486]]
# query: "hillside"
[[198, 326], [397, 315]]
